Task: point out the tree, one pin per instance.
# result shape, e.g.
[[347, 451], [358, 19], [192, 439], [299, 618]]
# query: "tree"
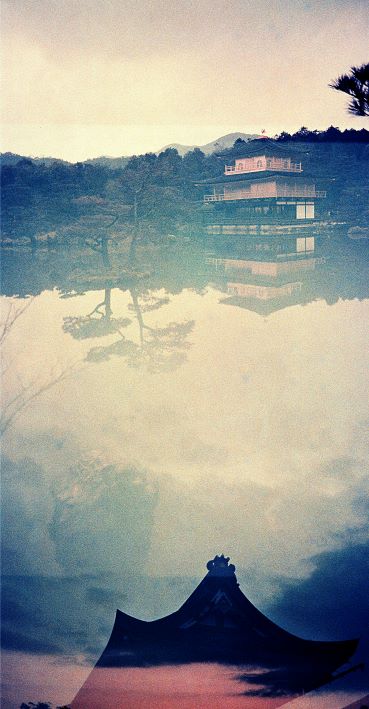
[[20, 390], [356, 85], [284, 136], [40, 705]]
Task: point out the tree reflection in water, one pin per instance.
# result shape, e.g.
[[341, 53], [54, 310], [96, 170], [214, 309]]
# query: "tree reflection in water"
[[158, 348], [98, 323]]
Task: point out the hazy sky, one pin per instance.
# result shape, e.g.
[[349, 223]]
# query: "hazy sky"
[[84, 77]]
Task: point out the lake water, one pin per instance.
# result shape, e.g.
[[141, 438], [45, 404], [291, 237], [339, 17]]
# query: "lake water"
[[206, 396]]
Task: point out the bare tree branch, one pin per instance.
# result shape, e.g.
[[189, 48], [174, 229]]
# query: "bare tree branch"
[[26, 396], [12, 316], [27, 392]]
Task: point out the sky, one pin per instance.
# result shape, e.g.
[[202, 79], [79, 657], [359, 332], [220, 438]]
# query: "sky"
[[87, 78]]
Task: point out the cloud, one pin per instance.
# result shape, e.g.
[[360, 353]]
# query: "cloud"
[[332, 603], [104, 597], [23, 643], [158, 62], [130, 28], [74, 549], [26, 542], [74, 616], [56, 615], [91, 517]]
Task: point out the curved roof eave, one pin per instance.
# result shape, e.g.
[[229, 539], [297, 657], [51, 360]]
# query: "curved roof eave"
[[259, 146]]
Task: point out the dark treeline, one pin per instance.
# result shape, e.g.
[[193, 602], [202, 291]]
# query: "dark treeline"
[[331, 135], [54, 201], [40, 705], [40, 199]]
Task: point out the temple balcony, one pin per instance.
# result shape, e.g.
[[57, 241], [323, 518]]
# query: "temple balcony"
[[290, 192], [300, 192], [262, 164]]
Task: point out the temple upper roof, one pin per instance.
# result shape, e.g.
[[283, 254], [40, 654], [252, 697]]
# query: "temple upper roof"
[[258, 146], [227, 179]]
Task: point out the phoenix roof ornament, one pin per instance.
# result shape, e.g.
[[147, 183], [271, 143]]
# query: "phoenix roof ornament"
[[219, 566]]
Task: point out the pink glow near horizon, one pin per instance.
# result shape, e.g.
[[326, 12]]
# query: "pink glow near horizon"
[[209, 686], [46, 678]]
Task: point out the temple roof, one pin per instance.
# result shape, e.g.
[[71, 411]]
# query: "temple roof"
[[259, 146], [217, 623], [259, 176], [265, 307]]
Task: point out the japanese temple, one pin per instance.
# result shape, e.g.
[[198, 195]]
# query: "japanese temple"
[[265, 182], [216, 627], [267, 273]]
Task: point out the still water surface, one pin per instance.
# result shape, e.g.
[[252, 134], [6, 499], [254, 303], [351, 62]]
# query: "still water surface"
[[208, 396]]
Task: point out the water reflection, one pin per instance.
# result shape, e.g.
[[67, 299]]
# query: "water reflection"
[[157, 347], [186, 427], [267, 275]]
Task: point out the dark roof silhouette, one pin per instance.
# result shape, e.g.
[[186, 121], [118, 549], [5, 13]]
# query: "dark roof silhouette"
[[219, 624], [265, 307], [302, 177], [259, 146], [243, 176]]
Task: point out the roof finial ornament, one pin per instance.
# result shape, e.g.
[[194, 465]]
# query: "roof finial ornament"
[[219, 566]]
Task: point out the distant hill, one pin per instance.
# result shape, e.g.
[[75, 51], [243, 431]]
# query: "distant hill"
[[14, 158], [10, 158], [111, 163], [118, 163], [225, 141]]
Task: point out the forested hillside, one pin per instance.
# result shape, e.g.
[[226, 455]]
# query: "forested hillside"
[[57, 200]]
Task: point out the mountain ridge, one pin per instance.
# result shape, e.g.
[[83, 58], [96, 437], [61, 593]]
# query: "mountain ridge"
[[9, 158], [224, 141], [119, 162]]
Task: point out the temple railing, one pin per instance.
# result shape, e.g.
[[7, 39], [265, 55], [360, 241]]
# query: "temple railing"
[[300, 192], [214, 198], [281, 192], [273, 165]]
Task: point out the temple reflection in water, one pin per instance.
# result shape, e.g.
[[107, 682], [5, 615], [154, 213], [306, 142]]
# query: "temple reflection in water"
[[269, 273]]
